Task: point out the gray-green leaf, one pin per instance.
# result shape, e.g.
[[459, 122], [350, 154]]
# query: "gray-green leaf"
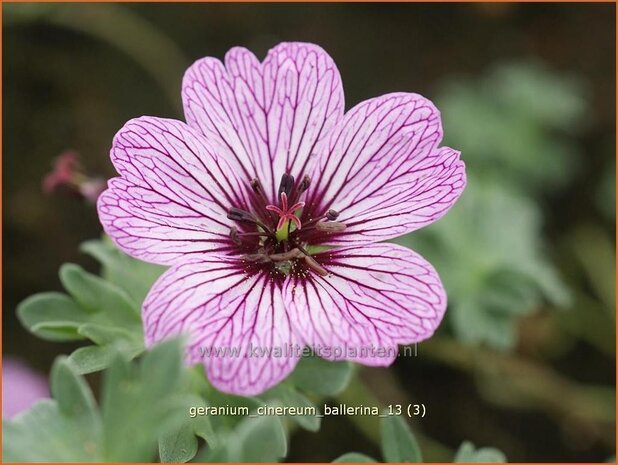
[[180, 444], [95, 294], [260, 439], [52, 316], [67, 429], [313, 374], [142, 403], [468, 453], [397, 441], [97, 310], [92, 358], [354, 457], [134, 276]]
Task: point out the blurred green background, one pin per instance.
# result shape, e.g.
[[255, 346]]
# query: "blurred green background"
[[525, 360]]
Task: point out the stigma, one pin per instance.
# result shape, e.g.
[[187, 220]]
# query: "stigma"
[[286, 213]]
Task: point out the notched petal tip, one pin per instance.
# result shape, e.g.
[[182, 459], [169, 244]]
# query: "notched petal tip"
[[229, 104]]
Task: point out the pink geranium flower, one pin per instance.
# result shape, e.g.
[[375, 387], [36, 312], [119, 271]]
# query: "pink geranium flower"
[[21, 387], [269, 204], [68, 176]]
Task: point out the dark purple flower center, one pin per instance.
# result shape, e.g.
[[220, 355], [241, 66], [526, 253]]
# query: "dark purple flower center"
[[281, 239]]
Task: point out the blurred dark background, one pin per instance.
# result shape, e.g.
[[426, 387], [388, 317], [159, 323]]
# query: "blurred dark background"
[[527, 92]]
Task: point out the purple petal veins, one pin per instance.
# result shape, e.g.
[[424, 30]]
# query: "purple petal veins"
[[377, 295], [268, 204], [268, 116]]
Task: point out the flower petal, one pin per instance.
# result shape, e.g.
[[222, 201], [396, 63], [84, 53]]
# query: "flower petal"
[[269, 116], [374, 298], [236, 322], [383, 172], [173, 194], [21, 387]]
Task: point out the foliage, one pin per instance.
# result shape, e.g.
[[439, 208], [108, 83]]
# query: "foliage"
[[516, 124], [133, 276], [95, 309], [149, 400], [468, 453], [140, 401], [398, 442], [400, 446], [106, 311], [513, 127]]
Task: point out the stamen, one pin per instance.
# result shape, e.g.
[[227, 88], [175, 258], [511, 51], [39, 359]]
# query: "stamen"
[[258, 233], [234, 236], [304, 184], [287, 240], [257, 257], [332, 215], [298, 246], [257, 187], [286, 185], [280, 257], [236, 214], [315, 266], [330, 226]]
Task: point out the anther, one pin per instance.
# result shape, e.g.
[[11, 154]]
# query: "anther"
[[332, 215], [257, 257], [280, 257], [257, 187], [315, 266], [234, 236], [304, 184], [330, 226], [256, 233], [236, 214], [286, 185]]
